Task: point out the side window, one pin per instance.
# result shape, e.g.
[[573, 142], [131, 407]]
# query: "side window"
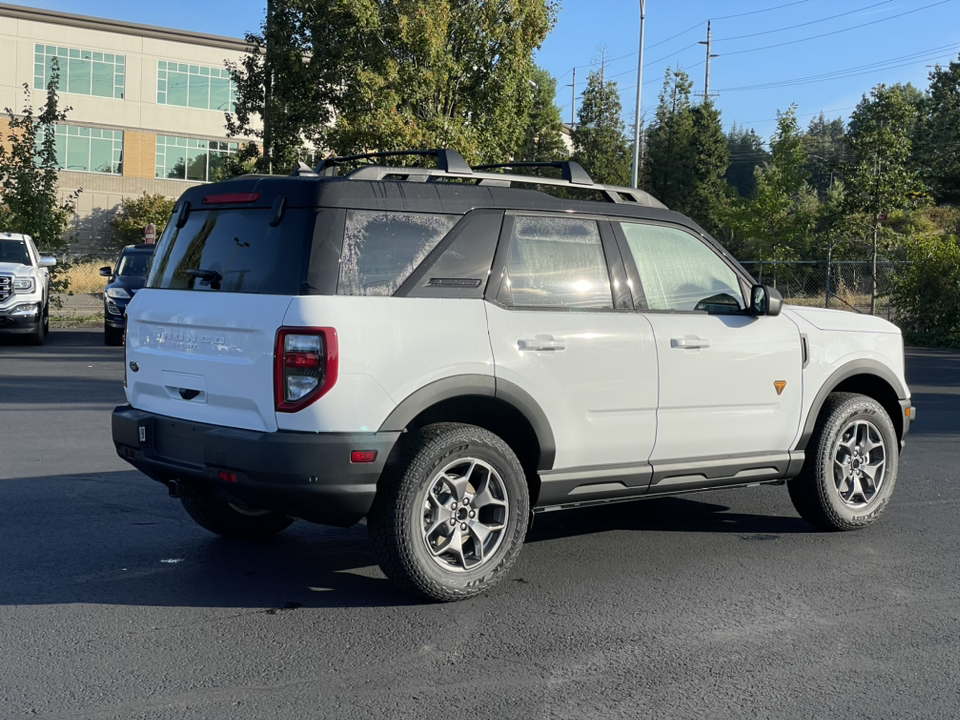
[[680, 272], [556, 262], [381, 249]]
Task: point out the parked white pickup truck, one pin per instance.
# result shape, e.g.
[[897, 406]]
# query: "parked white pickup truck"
[[24, 288]]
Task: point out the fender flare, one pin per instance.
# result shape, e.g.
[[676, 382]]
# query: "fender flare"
[[462, 386], [855, 367]]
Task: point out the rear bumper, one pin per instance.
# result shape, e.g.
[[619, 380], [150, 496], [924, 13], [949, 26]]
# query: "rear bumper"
[[305, 475]]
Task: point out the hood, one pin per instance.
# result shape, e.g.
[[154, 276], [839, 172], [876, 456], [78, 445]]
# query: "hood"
[[16, 269], [840, 320]]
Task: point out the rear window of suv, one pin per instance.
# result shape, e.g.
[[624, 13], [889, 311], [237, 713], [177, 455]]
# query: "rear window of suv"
[[232, 250]]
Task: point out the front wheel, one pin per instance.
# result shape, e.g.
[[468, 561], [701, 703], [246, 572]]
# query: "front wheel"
[[451, 513], [851, 469], [234, 522]]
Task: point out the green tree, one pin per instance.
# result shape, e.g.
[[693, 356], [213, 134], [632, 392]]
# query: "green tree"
[[668, 162], [135, 214], [543, 136], [937, 135], [430, 73], [599, 140], [746, 151], [284, 90], [777, 221], [827, 152], [28, 169], [881, 180], [707, 201]]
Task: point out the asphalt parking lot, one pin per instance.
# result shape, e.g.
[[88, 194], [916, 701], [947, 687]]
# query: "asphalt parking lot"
[[114, 604]]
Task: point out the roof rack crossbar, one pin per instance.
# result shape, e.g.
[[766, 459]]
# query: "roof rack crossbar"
[[571, 171], [448, 161]]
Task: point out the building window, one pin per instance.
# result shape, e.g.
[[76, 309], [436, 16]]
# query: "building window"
[[195, 86], [84, 72], [189, 159], [83, 149]]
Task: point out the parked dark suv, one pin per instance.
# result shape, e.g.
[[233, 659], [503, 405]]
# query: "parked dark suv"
[[128, 276]]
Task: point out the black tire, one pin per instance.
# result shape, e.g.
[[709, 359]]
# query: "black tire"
[[234, 521], [112, 335], [851, 466], [39, 335], [451, 512]]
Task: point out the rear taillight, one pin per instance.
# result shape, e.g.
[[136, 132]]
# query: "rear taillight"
[[306, 366]]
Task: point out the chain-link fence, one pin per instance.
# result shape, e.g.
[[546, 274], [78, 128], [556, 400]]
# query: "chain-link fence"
[[840, 284], [84, 296]]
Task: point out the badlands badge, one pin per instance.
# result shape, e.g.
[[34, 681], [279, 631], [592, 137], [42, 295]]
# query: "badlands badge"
[[779, 385]]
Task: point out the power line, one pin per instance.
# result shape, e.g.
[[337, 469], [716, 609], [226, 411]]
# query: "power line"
[[757, 12], [836, 32], [890, 64], [812, 22]]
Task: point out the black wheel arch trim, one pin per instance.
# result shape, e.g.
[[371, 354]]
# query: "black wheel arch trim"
[[855, 367], [458, 386]]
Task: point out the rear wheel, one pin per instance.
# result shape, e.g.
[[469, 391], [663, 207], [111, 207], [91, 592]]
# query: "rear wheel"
[[851, 469], [450, 515], [235, 522]]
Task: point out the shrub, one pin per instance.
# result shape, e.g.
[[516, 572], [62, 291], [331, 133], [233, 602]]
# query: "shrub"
[[926, 291], [136, 213]]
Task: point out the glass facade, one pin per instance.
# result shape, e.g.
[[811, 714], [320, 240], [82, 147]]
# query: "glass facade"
[[84, 72], [195, 86], [190, 159], [83, 149]]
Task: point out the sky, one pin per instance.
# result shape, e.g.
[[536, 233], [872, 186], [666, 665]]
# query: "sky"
[[822, 55]]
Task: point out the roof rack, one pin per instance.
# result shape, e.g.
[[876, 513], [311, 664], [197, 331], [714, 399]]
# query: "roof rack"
[[570, 170], [449, 161], [451, 165]]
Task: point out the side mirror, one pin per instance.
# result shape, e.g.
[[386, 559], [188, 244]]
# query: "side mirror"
[[765, 300], [47, 261], [106, 271]]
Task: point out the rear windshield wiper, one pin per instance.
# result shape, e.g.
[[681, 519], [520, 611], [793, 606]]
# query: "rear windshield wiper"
[[210, 277]]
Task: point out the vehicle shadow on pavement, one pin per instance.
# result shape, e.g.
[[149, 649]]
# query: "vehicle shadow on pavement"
[[659, 515], [113, 538]]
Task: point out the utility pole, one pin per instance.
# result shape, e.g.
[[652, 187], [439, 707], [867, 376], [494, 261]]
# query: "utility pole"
[[636, 125], [573, 100], [708, 43], [268, 89]]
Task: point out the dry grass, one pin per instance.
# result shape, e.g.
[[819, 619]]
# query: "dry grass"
[[85, 277]]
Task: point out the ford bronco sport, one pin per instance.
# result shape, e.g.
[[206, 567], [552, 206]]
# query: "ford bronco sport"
[[445, 351]]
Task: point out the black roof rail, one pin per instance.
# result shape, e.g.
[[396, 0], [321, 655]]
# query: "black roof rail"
[[570, 170], [448, 161]]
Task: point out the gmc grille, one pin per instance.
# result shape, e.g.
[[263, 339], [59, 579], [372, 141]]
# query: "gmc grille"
[[6, 287]]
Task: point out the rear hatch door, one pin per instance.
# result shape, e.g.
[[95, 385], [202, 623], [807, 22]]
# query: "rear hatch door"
[[201, 334]]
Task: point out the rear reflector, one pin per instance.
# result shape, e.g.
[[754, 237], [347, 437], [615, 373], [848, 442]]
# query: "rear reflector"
[[228, 476], [231, 198], [363, 456]]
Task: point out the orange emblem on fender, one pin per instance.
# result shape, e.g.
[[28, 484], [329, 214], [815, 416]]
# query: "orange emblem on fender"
[[779, 385]]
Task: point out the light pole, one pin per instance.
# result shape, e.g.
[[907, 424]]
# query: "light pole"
[[636, 124]]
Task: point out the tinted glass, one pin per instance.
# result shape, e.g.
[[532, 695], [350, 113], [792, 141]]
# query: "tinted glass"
[[381, 249], [680, 272], [134, 263], [14, 251], [232, 250], [556, 262]]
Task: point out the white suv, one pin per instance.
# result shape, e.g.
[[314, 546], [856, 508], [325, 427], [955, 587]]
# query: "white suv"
[[24, 288], [446, 351]]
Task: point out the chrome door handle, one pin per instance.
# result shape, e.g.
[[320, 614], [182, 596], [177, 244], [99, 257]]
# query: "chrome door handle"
[[690, 342], [541, 343]]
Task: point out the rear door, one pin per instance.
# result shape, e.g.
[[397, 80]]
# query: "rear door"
[[564, 331], [201, 334]]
